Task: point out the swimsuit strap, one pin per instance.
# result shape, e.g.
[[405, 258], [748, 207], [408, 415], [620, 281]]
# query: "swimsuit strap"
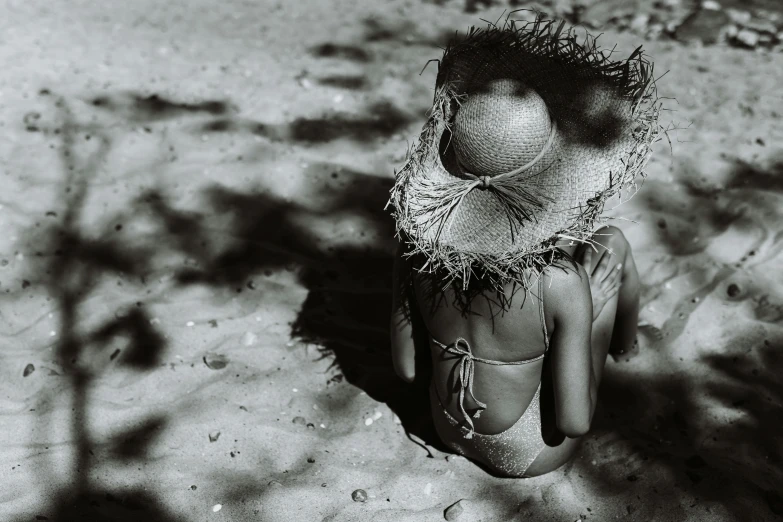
[[465, 376], [541, 310]]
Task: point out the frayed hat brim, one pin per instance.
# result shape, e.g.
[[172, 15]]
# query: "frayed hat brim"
[[478, 232]]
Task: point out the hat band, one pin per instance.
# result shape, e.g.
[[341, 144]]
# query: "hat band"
[[519, 202], [486, 181]]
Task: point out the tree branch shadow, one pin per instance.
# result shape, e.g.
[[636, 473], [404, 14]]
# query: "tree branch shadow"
[[79, 264], [346, 311], [679, 417]]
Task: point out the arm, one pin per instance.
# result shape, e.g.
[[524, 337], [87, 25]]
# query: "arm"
[[403, 351], [624, 334], [574, 383]]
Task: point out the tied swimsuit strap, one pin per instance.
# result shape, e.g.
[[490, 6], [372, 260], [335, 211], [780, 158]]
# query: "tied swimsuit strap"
[[467, 363], [465, 376]]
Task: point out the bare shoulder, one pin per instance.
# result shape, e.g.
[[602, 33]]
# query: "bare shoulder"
[[567, 291]]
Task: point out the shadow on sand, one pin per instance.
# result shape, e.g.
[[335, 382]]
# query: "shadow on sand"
[[346, 311], [78, 263], [665, 419]]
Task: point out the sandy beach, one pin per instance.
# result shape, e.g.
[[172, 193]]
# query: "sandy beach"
[[195, 272]]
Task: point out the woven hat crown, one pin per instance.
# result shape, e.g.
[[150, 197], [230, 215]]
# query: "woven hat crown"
[[529, 134], [499, 127]]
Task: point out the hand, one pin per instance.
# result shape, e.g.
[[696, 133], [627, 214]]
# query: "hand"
[[605, 278]]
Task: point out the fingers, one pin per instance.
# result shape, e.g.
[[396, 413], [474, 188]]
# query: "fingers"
[[587, 259], [604, 267], [612, 279]]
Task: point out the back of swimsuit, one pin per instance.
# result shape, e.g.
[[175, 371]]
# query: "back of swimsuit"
[[512, 451]]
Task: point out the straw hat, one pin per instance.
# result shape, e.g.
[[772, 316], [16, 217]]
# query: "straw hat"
[[529, 133]]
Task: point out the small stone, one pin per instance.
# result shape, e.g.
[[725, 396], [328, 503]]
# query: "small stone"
[[739, 17], [215, 361], [765, 39], [377, 415], [31, 121], [359, 495], [454, 511], [428, 489], [655, 30], [190, 323], [599, 14], [710, 5], [214, 436], [397, 419], [764, 27], [368, 421], [748, 38], [28, 370], [217, 507], [703, 26], [640, 23], [249, 339], [731, 31], [274, 483], [301, 421]]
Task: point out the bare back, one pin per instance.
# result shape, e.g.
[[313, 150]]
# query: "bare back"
[[514, 335]]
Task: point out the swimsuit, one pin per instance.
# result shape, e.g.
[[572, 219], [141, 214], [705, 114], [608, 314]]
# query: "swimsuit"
[[510, 452]]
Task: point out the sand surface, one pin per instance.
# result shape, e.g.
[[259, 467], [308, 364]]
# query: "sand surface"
[[195, 262]]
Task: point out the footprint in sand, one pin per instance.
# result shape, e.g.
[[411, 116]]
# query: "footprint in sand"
[[768, 311]]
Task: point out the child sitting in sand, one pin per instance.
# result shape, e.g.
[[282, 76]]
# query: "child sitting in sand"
[[498, 211]]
